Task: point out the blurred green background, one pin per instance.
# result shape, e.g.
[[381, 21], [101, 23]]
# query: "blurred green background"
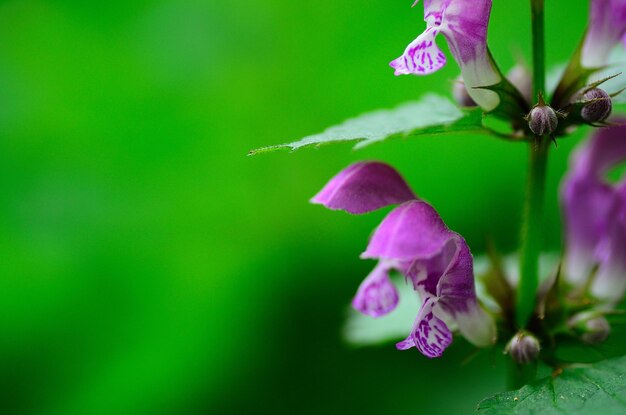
[[150, 267]]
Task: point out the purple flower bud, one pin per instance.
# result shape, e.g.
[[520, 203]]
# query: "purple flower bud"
[[594, 329], [598, 105], [461, 96], [542, 120], [523, 347], [598, 330]]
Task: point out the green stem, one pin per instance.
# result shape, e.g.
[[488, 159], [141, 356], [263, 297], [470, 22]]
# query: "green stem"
[[539, 49], [531, 233], [519, 374], [533, 208]]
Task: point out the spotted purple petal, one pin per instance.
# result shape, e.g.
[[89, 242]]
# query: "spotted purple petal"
[[464, 25], [376, 296], [364, 187], [430, 334], [422, 56], [607, 27]]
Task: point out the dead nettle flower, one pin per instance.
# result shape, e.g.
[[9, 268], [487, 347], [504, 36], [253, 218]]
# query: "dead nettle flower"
[[413, 240], [595, 217], [523, 347], [607, 27], [597, 105], [464, 25]]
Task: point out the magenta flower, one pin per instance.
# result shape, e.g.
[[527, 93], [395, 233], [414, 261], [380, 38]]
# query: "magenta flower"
[[607, 28], [595, 216], [414, 241], [464, 25]]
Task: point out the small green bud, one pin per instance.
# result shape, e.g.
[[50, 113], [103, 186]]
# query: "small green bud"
[[523, 347], [597, 105], [542, 120]]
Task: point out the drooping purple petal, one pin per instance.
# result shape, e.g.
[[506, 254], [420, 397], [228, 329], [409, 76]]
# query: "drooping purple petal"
[[439, 264], [377, 295], [364, 187], [412, 230], [607, 27], [588, 203], [464, 24], [594, 213], [609, 283], [600, 153], [430, 334]]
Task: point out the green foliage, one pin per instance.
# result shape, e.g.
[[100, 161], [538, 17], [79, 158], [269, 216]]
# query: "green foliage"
[[433, 114], [588, 389]]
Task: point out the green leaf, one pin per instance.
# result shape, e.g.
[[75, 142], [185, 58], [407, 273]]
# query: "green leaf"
[[590, 389], [433, 114]]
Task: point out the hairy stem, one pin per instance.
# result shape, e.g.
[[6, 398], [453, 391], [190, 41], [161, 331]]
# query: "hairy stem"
[[532, 219]]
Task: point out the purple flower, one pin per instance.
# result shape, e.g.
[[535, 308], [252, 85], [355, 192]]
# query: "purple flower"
[[595, 216], [607, 27], [464, 24], [413, 240]]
